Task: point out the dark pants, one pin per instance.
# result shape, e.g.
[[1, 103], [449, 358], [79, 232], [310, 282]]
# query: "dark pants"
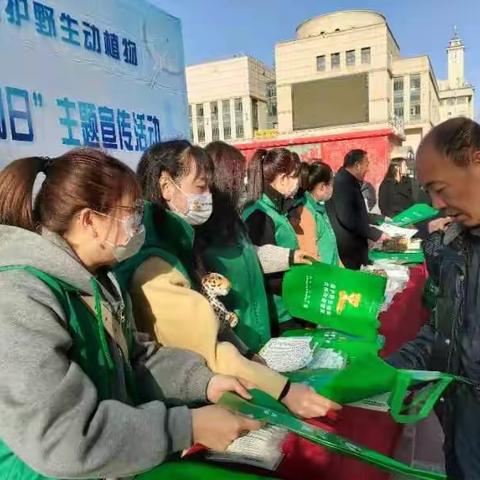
[[463, 459]]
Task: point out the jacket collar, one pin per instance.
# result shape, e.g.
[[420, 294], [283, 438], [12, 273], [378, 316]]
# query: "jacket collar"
[[318, 206], [167, 230], [455, 230], [279, 202], [351, 177]]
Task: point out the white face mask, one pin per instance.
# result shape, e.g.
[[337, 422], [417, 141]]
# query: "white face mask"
[[135, 232], [293, 192], [131, 247], [199, 207]]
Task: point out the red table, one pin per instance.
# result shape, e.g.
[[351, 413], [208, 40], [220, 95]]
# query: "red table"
[[375, 430]]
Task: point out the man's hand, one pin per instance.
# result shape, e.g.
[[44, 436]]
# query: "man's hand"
[[439, 224]]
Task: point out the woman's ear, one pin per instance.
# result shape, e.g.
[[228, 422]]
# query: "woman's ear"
[[166, 186], [84, 218]]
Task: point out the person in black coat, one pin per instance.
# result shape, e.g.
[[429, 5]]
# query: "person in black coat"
[[348, 212], [396, 190]]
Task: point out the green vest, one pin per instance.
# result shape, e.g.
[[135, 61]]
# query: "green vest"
[[325, 236], [172, 241], [285, 236], [90, 350], [247, 298]]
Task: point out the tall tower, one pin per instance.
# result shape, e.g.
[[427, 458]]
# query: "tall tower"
[[456, 70]]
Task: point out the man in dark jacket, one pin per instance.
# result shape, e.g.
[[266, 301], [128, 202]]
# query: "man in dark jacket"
[[348, 212], [448, 165]]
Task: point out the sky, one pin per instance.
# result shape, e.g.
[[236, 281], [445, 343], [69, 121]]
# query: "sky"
[[217, 29]]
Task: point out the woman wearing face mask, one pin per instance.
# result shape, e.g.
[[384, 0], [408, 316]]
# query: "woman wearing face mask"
[[312, 225], [175, 177], [272, 186], [83, 396], [396, 190], [223, 246]]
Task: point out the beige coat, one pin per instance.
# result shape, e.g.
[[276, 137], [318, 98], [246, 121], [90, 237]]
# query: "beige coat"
[[166, 307]]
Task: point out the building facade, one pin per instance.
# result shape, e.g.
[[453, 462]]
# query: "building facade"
[[230, 99], [344, 72], [456, 95], [342, 82]]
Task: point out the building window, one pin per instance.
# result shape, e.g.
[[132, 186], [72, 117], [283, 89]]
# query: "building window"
[[214, 121], [350, 58], [366, 56], [335, 60], [321, 63], [415, 82], [239, 130], [255, 114], [271, 105], [451, 101], [398, 97], [200, 124], [398, 86], [227, 120], [190, 121], [415, 96], [461, 100], [415, 112]]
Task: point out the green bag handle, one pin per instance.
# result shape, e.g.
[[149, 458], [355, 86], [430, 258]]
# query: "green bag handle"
[[425, 399], [264, 408]]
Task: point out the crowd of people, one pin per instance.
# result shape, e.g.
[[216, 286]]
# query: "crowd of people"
[[113, 356]]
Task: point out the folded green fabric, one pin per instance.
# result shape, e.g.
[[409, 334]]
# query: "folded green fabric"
[[264, 408]]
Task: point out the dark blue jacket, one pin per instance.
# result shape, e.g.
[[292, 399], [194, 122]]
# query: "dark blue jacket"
[[450, 343]]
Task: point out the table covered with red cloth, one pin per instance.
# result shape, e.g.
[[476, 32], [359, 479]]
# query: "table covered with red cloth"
[[375, 430]]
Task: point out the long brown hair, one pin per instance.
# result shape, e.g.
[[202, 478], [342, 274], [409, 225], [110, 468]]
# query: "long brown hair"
[[81, 178], [224, 226], [265, 166], [394, 168]]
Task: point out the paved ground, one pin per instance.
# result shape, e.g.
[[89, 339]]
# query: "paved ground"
[[421, 446]]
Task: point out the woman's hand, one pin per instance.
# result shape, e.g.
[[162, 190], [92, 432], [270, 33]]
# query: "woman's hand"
[[220, 384], [303, 401], [216, 428], [301, 257]]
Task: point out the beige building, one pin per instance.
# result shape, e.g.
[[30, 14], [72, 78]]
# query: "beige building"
[[344, 72], [228, 99], [456, 95]]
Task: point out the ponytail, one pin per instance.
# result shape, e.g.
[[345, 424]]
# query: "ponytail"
[[81, 178], [255, 176], [17, 181], [266, 165], [304, 175]]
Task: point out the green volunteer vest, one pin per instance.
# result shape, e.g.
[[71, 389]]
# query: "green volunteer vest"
[[90, 350], [285, 236], [247, 298], [172, 241], [325, 236]]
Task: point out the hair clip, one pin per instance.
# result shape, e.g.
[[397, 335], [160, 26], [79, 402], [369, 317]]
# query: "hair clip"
[[47, 163]]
